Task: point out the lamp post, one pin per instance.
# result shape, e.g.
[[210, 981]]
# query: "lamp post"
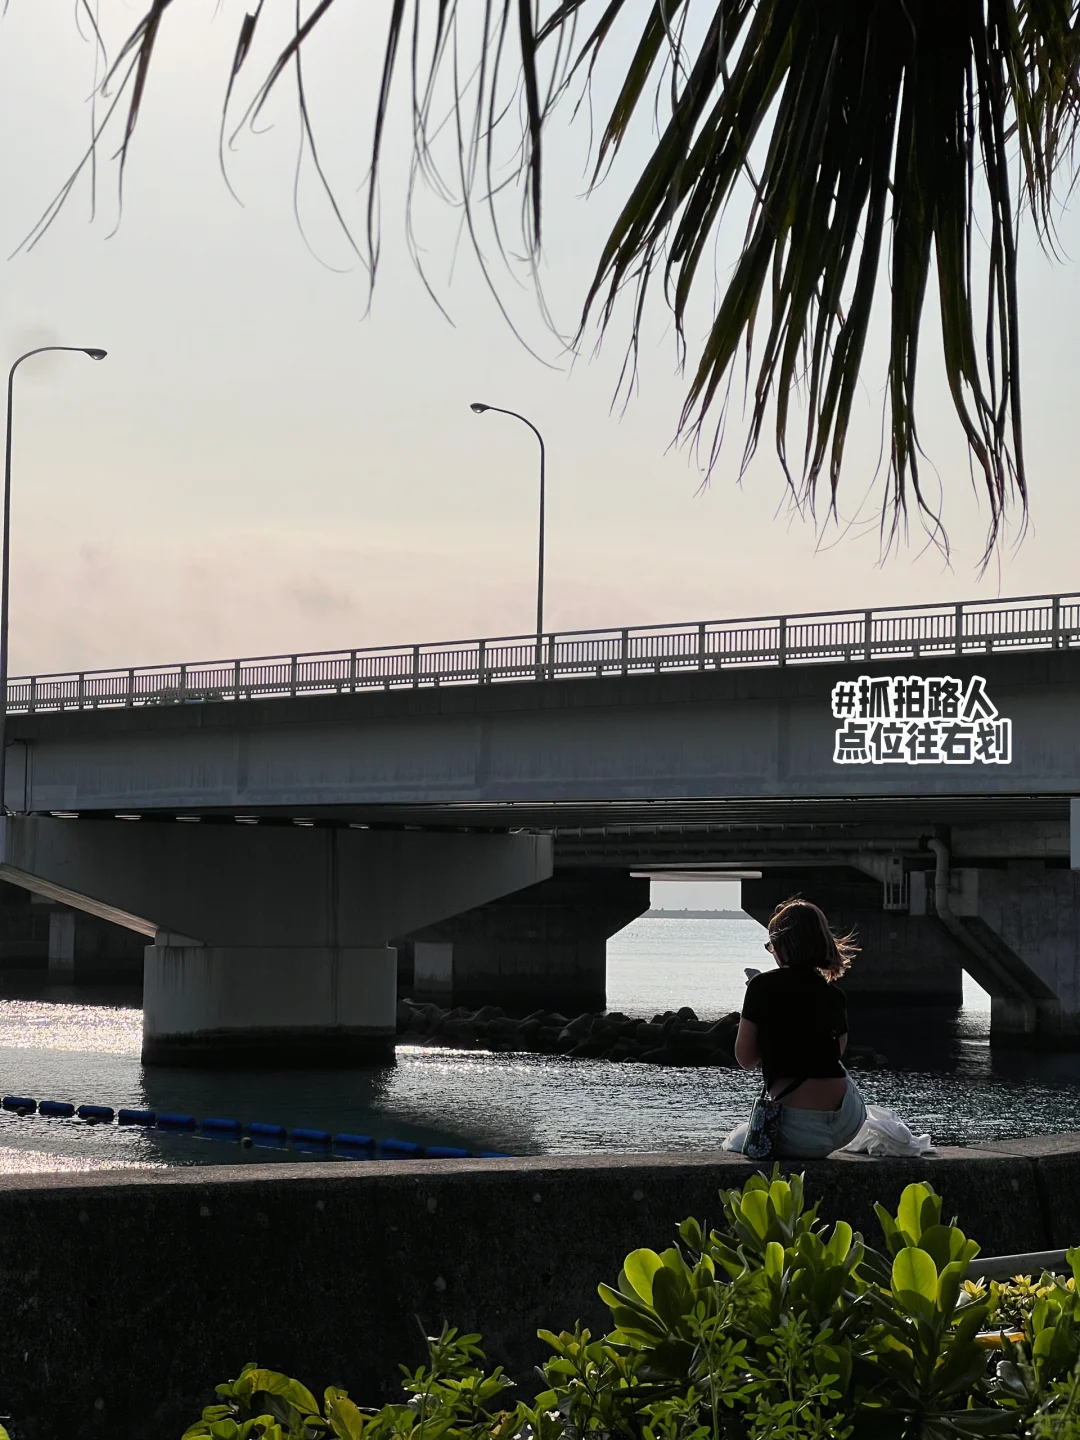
[[95, 354], [479, 409]]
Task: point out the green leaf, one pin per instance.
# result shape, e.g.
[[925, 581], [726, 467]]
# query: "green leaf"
[[639, 1268], [915, 1282], [774, 1260], [919, 1209], [754, 1211], [345, 1418], [836, 1252]]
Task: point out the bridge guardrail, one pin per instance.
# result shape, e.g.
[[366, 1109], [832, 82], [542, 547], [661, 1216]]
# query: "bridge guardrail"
[[973, 627]]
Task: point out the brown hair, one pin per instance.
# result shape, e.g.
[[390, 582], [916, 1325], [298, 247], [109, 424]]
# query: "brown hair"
[[802, 940]]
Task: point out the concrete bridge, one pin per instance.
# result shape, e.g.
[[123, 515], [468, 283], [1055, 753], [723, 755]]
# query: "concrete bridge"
[[279, 829]]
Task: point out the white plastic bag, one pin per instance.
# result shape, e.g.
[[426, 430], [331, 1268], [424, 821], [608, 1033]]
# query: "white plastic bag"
[[884, 1133]]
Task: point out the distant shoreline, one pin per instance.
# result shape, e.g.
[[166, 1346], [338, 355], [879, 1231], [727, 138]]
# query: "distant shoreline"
[[696, 915]]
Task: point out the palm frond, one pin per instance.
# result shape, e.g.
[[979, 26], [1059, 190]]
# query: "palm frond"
[[889, 146]]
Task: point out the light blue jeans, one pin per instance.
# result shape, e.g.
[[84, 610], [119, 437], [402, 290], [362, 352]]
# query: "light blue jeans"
[[812, 1134]]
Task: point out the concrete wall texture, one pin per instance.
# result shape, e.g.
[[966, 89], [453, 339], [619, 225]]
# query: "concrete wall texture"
[[127, 1296]]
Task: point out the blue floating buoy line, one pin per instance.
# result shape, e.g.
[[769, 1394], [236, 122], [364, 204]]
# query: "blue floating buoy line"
[[345, 1143]]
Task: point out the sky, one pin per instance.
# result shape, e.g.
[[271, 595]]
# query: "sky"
[[264, 464]]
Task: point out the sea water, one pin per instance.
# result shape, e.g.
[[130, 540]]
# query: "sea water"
[[941, 1078]]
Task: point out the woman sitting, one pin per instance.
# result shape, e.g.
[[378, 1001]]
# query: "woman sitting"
[[794, 1026]]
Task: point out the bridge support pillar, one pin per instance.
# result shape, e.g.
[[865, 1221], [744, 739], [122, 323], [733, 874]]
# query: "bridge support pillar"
[[542, 946], [84, 949], [209, 1006], [1021, 926], [271, 943]]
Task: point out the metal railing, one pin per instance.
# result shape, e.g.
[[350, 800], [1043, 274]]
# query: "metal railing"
[[1048, 622]]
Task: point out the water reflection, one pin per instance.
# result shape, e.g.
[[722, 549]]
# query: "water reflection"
[[83, 1045]]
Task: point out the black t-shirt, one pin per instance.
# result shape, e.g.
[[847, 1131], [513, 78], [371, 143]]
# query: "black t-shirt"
[[800, 1017]]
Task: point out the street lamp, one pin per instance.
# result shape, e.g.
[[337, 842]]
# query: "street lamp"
[[479, 409], [95, 354]]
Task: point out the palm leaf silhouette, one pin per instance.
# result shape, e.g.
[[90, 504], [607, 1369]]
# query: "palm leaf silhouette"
[[890, 145]]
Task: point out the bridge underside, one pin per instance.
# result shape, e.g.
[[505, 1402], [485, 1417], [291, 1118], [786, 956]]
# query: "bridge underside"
[[933, 887]]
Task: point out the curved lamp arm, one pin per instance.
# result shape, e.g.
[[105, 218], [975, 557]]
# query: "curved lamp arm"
[[95, 354], [479, 409]]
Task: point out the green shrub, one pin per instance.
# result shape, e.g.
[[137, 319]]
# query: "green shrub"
[[771, 1327]]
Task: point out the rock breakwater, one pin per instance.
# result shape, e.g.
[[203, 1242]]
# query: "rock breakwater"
[[676, 1037]]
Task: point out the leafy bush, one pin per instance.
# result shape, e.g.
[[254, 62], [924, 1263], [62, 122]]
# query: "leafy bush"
[[771, 1327]]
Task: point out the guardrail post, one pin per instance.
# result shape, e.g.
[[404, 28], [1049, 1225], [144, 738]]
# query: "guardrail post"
[[236, 679], [31, 704], [130, 689], [701, 642], [82, 690], [481, 661], [781, 642], [292, 675], [352, 671], [868, 634], [551, 661], [624, 653], [183, 682], [1055, 643], [416, 666], [958, 629]]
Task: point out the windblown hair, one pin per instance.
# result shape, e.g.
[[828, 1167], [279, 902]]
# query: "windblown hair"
[[802, 940]]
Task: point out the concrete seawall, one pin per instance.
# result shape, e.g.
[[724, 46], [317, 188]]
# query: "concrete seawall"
[[126, 1296]]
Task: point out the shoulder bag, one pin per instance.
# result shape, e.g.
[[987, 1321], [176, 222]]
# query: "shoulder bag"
[[764, 1127]]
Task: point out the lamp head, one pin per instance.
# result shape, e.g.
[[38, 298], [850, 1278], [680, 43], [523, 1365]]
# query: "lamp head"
[[95, 354], [477, 408]]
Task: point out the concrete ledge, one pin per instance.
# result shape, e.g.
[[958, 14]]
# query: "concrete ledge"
[[127, 1295]]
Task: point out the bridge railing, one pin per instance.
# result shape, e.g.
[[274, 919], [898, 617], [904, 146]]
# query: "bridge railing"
[[894, 632]]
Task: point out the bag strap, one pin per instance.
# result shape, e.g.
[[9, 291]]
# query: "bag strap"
[[788, 1089]]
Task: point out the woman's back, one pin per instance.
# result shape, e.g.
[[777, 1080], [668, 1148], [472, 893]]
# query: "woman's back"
[[800, 1018]]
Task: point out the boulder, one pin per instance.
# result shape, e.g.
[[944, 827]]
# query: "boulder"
[[487, 1013], [591, 1048]]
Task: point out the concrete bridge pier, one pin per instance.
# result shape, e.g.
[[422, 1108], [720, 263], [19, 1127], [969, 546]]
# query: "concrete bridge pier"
[[268, 1006], [270, 943], [1019, 926], [542, 946]]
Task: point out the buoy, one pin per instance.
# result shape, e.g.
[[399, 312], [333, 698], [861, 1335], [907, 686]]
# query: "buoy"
[[399, 1147], [175, 1122], [21, 1104], [60, 1108], [311, 1137], [95, 1112], [229, 1127], [269, 1132], [136, 1117], [446, 1152]]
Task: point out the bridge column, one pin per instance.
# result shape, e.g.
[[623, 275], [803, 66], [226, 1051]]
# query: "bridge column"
[[206, 1005], [271, 942], [541, 946], [1021, 926]]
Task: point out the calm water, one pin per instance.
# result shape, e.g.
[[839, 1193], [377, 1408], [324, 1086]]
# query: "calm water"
[[943, 1079]]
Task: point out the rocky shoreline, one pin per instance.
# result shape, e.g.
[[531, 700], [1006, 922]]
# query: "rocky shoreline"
[[677, 1037]]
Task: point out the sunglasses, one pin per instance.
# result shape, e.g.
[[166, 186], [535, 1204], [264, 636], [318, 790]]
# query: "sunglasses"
[[769, 947]]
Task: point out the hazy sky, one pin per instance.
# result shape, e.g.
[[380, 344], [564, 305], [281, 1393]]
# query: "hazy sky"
[[258, 467]]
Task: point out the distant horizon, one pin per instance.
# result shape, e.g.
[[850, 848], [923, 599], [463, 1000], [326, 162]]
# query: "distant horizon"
[[663, 913]]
